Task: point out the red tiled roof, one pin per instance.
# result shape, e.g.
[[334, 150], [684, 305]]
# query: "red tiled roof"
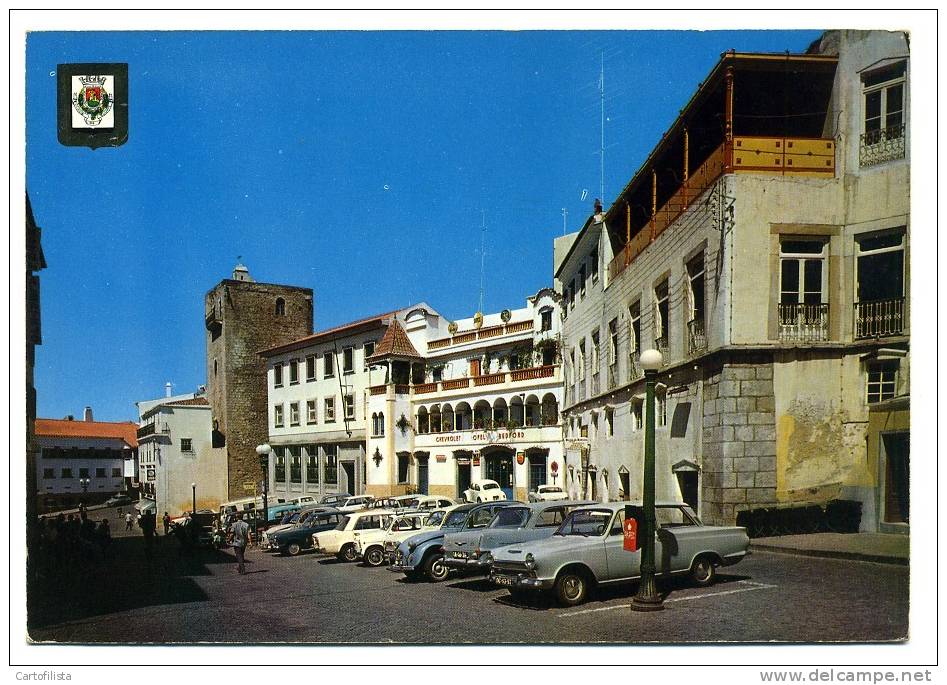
[[351, 327], [395, 343], [63, 428], [201, 401]]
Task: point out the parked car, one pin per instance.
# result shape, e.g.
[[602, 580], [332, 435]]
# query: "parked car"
[[118, 500], [341, 541], [471, 550], [294, 540], [335, 499], [484, 491], [422, 555], [304, 500], [547, 493], [430, 502], [435, 520], [356, 503], [394, 503], [588, 550], [370, 544], [295, 519]]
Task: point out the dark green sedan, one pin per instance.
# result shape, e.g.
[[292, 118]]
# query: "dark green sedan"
[[294, 540]]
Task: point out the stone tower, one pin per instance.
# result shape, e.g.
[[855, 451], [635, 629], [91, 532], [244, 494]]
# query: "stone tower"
[[243, 317]]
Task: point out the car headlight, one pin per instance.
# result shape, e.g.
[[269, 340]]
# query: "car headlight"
[[487, 558], [412, 546], [529, 561]]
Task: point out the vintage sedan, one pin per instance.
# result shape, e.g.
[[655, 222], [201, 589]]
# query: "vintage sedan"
[[294, 540], [356, 503], [547, 493], [484, 491], [298, 518], [471, 550], [588, 550], [422, 555], [370, 544], [341, 540]]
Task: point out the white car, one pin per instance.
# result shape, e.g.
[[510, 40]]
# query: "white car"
[[431, 502], [484, 491], [341, 541], [548, 493], [370, 544], [356, 503]]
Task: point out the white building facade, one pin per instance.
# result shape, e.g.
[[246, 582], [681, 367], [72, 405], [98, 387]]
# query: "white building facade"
[[176, 451], [451, 402], [317, 389]]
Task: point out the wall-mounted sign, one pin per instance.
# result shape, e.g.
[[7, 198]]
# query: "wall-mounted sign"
[[554, 466], [463, 461], [520, 458], [476, 461], [249, 487], [92, 104], [441, 458], [151, 474]]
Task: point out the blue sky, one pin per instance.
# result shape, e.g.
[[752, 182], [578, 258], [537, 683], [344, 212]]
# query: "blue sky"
[[358, 164]]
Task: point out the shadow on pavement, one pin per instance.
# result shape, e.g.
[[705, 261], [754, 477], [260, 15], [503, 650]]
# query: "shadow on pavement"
[[73, 584], [475, 584]]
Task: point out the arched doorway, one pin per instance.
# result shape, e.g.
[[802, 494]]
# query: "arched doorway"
[[498, 463]]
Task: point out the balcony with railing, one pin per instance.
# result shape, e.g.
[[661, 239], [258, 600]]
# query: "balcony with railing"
[[803, 322], [515, 378], [634, 367], [881, 145], [468, 336], [879, 318], [613, 375], [596, 384], [661, 345], [696, 337]]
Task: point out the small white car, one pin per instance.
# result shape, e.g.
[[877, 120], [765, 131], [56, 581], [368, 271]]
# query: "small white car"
[[547, 493], [431, 502], [341, 541], [356, 503], [484, 491], [370, 544]]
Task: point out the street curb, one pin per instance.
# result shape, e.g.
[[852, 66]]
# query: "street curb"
[[833, 554]]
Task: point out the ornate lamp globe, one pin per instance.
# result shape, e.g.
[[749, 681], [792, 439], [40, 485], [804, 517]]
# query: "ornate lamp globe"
[[651, 360]]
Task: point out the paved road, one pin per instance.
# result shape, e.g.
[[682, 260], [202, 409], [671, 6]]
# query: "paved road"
[[197, 598]]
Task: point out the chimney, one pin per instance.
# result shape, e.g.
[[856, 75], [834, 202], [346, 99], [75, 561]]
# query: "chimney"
[[70, 417], [167, 389], [87, 415], [598, 210]]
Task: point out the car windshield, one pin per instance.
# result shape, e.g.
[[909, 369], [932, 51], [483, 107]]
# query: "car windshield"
[[435, 518], [490, 486], [456, 519], [550, 488], [343, 523], [586, 522], [510, 517]]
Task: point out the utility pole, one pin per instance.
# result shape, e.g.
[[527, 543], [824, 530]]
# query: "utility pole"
[[601, 88], [565, 216], [483, 236]]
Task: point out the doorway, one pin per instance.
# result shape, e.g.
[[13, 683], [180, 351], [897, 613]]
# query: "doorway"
[[422, 473], [897, 477], [350, 485], [687, 482], [463, 472], [537, 468], [499, 464]]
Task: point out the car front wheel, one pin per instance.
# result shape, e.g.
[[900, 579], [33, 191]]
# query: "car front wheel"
[[293, 549], [571, 588], [703, 571], [435, 568], [374, 556]]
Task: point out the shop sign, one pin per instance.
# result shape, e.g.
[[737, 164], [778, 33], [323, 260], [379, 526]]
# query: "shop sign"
[[441, 458], [520, 458]]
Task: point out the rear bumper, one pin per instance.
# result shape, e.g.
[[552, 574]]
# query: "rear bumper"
[[477, 564]]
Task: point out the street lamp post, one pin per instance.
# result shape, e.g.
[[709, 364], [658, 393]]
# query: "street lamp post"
[[193, 499], [264, 453], [84, 482], [648, 598]]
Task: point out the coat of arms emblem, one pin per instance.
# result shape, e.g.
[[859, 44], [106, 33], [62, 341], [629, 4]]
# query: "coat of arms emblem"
[[92, 100]]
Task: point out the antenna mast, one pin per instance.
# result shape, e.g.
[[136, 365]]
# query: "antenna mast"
[[483, 235], [565, 216], [601, 88]]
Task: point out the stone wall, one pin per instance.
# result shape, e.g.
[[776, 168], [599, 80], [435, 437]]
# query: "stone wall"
[[237, 391], [739, 440]]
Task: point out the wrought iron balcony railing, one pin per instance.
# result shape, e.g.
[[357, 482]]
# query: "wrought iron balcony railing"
[[804, 322], [696, 337], [661, 344], [879, 318], [881, 145], [634, 367]]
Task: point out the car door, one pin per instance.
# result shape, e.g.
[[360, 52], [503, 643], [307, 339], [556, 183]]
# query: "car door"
[[621, 563]]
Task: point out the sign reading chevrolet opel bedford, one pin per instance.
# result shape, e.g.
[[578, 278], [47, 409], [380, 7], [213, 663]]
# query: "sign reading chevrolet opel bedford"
[[92, 103]]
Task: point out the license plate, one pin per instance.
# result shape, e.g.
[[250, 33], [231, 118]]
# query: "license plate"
[[459, 555], [504, 580]]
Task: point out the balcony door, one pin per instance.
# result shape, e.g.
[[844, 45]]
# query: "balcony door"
[[879, 276], [803, 287]]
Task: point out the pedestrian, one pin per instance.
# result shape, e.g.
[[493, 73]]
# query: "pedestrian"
[[147, 524], [128, 521], [240, 535], [166, 522], [103, 535]]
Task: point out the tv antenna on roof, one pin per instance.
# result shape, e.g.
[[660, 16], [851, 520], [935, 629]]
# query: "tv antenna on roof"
[[601, 152], [483, 237]]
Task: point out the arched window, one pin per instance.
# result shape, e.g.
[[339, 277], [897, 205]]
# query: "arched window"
[[280, 306], [381, 423]]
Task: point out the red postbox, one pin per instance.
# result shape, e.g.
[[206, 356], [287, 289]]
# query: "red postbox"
[[631, 526]]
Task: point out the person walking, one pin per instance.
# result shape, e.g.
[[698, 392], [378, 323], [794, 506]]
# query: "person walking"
[[128, 521], [166, 522], [147, 525], [239, 537]]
